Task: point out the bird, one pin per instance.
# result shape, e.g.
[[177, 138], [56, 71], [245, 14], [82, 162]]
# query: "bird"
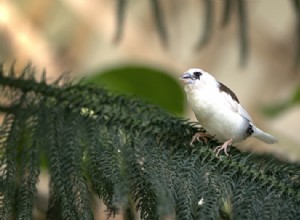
[[219, 111]]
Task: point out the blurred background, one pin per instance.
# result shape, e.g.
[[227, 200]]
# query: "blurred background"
[[141, 47]]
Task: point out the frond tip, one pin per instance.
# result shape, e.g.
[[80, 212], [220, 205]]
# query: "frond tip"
[[133, 155]]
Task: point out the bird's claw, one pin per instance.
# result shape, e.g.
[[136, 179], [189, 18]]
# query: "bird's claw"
[[223, 147], [219, 149], [200, 136]]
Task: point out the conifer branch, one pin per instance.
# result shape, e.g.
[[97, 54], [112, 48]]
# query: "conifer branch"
[[133, 155]]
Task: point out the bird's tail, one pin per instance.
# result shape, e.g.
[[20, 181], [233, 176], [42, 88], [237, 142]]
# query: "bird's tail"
[[263, 136]]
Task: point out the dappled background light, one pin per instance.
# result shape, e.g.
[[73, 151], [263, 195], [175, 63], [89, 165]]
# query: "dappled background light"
[[140, 48]]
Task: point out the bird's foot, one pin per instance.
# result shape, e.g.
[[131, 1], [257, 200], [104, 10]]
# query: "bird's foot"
[[200, 135], [223, 147]]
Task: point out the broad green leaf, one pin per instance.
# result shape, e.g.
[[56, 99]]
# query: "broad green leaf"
[[153, 85]]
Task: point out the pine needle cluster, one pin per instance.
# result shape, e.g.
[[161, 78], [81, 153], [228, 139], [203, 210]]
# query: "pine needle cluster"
[[133, 155]]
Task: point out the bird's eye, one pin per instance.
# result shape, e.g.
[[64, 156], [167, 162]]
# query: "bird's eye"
[[197, 75]]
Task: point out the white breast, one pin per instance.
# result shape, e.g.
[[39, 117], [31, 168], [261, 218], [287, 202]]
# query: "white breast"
[[215, 115]]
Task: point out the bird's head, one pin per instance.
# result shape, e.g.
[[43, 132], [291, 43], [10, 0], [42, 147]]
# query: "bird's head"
[[197, 77]]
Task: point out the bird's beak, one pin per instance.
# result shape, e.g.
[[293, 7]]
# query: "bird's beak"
[[186, 77]]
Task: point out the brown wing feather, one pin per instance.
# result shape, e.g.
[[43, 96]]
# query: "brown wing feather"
[[235, 106], [224, 88]]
